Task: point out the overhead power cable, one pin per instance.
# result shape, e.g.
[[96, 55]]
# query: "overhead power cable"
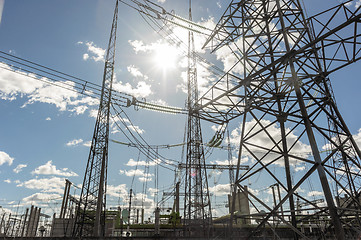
[[57, 78], [134, 137], [159, 20], [167, 146], [157, 12], [152, 146]]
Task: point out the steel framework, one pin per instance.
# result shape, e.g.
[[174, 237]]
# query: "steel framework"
[[279, 85], [90, 214], [197, 204]]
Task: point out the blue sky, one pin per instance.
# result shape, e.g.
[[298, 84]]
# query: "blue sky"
[[44, 131]]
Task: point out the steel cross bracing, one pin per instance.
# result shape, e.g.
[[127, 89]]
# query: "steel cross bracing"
[[282, 89], [332, 40], [90, 214], [197, 204]]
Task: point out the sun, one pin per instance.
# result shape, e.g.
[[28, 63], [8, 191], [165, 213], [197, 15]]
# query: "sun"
[[165, 56]]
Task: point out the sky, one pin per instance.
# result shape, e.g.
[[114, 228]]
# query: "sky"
[[45, 130]]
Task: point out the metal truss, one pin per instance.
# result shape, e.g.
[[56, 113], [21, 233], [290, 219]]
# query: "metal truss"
[[319, 45], [291, 129], [90, 213], [197, 204]]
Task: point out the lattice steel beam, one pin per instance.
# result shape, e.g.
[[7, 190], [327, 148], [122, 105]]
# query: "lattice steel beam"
[[280, 87], [90, 213]]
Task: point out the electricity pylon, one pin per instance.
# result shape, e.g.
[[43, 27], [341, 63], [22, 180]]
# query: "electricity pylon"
[[197, 204], [90, 213], [279, 85]]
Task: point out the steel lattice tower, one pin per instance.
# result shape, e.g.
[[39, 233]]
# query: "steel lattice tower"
[[281, 89], [197, 205], [90, 214]]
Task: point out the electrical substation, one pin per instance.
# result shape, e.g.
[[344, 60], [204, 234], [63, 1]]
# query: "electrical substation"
[[284, 88]]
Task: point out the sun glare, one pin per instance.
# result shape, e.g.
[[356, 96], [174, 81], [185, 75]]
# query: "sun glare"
[[165, 56]]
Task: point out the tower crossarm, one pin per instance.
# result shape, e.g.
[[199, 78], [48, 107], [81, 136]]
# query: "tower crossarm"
[[225, 30], [323, 43], [302, 204], [216, 166], [337, 45]]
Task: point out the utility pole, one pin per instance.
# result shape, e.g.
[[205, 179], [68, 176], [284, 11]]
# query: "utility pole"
[[90, 213], [130, 211]]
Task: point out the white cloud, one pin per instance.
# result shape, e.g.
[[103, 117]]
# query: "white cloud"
[[357, 137], [40, 197], [134, 71], [50, 169], [134, 172], [139, 46], [48, 119], [145, 179], [141, 90], [74, 142], [52, 94], [253, 191], [79, 109], [261, 142], [5, 158], [160, 48], [357, 3], [220, 189], [7, 180], [314, 193], [229, 55], [219, 4], [216, 128], [12, 84], [85, 56], [161, 1], [19, 168], [18, 83], [205, 80], [53, 184], [116, 191], [87, 143], [95, 53], [301, 168], [234, 161], [93, 113], [142, 200], [114, 129], [138, 172], [136, 129], [153, 191], [133, 163]]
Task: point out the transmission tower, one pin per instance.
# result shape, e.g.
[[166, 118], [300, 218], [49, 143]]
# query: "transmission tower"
[[280, 87], [90, 214], [197, 205]]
